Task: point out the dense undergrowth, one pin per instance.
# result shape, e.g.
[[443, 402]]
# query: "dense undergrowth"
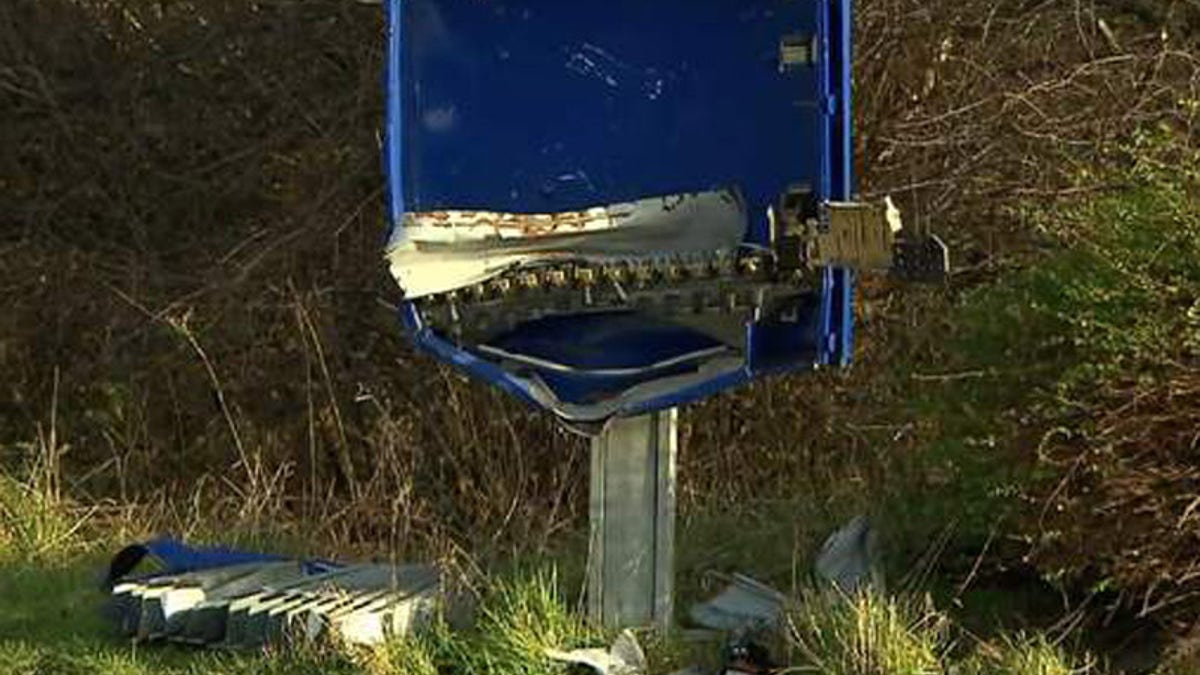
[[197, 334]]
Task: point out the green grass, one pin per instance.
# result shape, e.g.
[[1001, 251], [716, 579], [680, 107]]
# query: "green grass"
[[52, 623], [36, 520], [1117, 295], [1023, 655], [1114, 298], [868, 634]]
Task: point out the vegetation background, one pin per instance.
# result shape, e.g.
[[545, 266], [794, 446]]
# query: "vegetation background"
[[198, 336]]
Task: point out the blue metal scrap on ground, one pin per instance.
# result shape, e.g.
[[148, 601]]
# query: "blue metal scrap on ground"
[[217, 596], [525, 137]]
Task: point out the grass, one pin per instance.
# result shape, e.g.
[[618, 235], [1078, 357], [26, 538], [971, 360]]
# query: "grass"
[[867, 634], [51, 624], [1021, 655], [198, 336], [1016, 359]]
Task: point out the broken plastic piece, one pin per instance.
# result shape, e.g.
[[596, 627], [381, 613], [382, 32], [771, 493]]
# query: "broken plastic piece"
[[624, 657]]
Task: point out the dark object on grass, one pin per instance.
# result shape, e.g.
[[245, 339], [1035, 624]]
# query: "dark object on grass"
[[745, 655]]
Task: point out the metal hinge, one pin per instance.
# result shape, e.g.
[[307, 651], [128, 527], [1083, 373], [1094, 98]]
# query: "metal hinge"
[[863, 236]]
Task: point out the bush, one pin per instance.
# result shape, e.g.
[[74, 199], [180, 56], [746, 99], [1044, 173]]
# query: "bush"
[[867, 634], [1117, 503]]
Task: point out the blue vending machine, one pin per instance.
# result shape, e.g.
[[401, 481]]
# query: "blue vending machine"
[[613, 208]]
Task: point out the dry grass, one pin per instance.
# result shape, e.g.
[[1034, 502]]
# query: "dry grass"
[[194, 221], [1128, 495], [966, 107], [190, 229]]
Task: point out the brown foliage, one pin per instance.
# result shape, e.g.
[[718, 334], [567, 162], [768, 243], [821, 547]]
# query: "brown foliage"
[[1128, 498], [192, 240], [191, 221]]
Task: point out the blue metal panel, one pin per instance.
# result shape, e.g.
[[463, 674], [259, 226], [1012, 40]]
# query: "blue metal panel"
[[544, 106], [842, 153], [537, 106]]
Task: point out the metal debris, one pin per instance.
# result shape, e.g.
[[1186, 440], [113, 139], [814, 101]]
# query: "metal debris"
[[481, 274], [624, 657], [849, 559], [251, 604], [744, 605], [717, 294]]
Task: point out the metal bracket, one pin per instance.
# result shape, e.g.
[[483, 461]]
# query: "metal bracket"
[[852, 234], [858, 235], [922, 258]]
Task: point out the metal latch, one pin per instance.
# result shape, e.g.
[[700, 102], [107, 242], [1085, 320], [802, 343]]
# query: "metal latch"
[[853, 234], [863, 236]]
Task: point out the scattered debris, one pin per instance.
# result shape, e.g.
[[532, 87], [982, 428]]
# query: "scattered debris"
[[743, 605], [747, 612], [744, 613], [624, 657], [849, 559], [244, 600]]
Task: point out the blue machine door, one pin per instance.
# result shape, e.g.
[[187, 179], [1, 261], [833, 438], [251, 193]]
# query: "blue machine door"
[[584, 194]]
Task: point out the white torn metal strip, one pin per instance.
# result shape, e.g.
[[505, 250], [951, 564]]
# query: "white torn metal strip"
[[599, 411], [443, 251]]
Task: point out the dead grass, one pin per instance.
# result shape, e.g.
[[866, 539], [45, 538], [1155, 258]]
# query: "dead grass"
[[196, 221], [191, 211], [1128, 494]]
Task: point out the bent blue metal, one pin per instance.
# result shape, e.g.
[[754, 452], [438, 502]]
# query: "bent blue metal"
[[593, 202]]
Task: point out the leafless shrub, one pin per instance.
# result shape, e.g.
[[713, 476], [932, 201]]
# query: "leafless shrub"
[[1129, 496]]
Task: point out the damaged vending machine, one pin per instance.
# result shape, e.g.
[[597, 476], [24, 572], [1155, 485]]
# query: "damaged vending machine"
[[611, 209]]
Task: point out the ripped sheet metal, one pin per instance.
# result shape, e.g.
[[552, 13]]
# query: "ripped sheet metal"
[[443, 251], [258, 603]]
